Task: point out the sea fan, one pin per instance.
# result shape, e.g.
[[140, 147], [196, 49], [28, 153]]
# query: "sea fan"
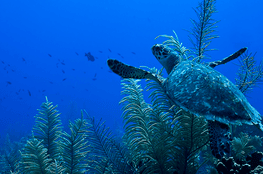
[[35, 158], [48, 128], [161, 138], [244, 145], [249, 73], [203, 28], [138, 136], [75, 147], [106, 156], [200, 35], [10, 156], [56, 167], [187, 132]]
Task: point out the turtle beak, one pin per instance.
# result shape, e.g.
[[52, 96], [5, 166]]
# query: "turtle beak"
[[110, 62], [156, 50], [160, 51]]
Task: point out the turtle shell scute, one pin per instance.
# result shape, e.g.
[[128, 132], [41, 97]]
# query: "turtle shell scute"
[[204, 91]]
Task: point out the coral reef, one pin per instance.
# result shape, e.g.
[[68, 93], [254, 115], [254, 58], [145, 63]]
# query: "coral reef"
[[164, 138], [249, 74], [88, 148], [252, 164]]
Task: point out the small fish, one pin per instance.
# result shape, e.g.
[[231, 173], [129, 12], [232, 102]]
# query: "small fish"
[[51, 82], [133, 53], [90, 57], [100, 51], [77, 53], [43, 90], [49, 55], [23, 59], [109, 71], [12, 70], [119, 54], [109, 50], [17, 93], [8, 64], [122, 57], [3, 62], [86, 90], [8, 82], [63, 71], [29, 93], [62, 63], [25, 77], [73, 69], [64, 79], [94, 78]]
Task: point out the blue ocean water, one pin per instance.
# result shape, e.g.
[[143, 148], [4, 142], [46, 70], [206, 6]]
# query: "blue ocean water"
[[43, 46]]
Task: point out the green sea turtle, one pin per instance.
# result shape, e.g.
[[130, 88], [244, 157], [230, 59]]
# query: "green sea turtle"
[[201, 90]]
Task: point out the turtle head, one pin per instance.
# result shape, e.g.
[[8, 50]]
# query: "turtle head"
[[166, 56]]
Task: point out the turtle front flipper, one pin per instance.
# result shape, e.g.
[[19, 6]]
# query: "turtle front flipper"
[[127, 71], [229, 58], [220, 138]]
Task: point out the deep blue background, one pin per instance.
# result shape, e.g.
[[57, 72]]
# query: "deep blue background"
[[33, 29]]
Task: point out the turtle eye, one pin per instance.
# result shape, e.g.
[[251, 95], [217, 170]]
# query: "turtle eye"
[[159, 56], [158, 49], [165, 52]]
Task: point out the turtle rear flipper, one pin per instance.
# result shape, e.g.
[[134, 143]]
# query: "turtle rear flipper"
[[227, 59], [127, 71]]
